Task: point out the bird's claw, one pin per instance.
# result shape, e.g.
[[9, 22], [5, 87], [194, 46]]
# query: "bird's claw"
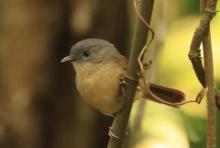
[[122, 81], [112, 134], [128, 77]]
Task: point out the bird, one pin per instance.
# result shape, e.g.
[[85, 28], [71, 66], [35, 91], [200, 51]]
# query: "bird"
[[100, 69]]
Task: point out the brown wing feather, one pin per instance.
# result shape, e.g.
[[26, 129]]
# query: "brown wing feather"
[[122, 62]]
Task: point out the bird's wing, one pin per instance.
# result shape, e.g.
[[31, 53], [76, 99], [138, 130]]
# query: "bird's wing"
[[122, 62]]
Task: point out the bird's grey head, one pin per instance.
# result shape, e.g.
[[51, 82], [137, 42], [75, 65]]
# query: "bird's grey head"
[[91, 50]]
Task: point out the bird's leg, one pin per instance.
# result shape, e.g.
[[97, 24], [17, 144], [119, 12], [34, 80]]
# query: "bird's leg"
[[112, 134], [122, 83], [128, 77]]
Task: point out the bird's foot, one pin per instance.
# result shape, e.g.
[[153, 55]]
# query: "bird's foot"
[[112, 134], [128, 77], [122, 81]]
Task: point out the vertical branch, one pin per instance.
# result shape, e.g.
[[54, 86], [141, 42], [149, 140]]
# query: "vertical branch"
[[209, 79], [206, 74], [120, 121], [158, 43]]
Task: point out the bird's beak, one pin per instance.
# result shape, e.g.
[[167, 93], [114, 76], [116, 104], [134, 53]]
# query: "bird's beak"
[[67, 59]]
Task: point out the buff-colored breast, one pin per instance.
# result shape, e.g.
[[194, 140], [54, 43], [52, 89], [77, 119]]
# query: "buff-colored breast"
[[99, 85]]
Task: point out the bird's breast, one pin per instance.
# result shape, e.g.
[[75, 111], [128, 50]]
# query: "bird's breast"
[[99, 85]]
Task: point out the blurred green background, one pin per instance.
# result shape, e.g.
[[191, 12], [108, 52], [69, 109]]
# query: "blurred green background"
[[164, 126], [39, 105]]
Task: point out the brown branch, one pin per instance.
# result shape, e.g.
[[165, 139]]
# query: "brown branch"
[[209, 73], [209, 78], [205, 74], [194, 53], [120, 121]]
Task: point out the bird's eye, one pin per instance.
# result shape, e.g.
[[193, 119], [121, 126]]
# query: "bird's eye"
[[86, 53]]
